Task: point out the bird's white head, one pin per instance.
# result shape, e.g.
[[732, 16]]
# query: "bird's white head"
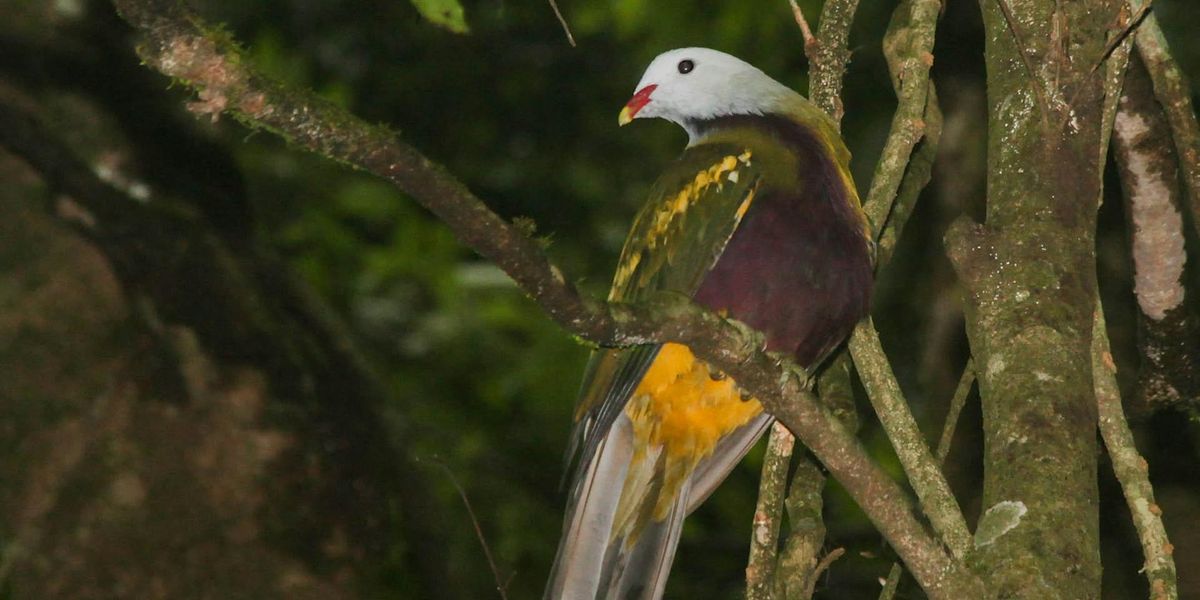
[[690, 85]]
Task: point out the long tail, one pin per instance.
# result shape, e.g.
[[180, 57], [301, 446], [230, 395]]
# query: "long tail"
[[592, 564]]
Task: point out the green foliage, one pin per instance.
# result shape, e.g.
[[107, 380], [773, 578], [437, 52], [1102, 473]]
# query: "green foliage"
[[447, 14]]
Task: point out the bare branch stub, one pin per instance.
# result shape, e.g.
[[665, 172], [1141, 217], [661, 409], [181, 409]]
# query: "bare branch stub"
[[810, 41]]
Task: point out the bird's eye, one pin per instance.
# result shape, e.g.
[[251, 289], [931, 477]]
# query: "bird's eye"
[[686, 66]]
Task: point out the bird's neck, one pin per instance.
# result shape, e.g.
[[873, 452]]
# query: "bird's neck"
[[778, 126]]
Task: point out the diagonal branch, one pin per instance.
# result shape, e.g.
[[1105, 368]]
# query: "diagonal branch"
[[1131, 469], [176, 43], [909, 45], [965, 382], [937, 500]]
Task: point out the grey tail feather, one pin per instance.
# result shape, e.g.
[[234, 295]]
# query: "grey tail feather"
[[641, 573], [592, 566], [585, 545], [729, 452]]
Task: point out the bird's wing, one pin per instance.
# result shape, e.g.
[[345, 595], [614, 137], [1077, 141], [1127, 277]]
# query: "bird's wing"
[[677, 237]]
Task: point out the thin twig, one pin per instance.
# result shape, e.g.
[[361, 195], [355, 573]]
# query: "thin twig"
[[1130, 468], [957, 402], [501, 587], [893, 582], [826, 560], [562, 21], [810, 42]]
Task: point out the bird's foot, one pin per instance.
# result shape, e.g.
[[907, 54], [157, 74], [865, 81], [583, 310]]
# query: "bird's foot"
[[790, 370], [752, 340]]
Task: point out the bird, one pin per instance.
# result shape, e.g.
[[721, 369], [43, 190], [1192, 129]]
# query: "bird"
[[758, 220]]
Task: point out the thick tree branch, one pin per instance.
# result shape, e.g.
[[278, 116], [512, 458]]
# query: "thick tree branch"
[[1029, 283], [1174, 93], [1169, 335], [1131, 469], [177, 44]]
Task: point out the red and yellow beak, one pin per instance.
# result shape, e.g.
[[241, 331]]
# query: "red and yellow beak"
[[639, 100]]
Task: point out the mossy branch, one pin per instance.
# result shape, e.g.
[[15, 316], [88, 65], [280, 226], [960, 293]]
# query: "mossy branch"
[[1131, 469], [908, 46]]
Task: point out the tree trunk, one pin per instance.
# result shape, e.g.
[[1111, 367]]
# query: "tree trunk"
[[1030, 287]]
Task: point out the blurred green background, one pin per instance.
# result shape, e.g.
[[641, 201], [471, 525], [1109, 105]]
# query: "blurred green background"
[[484, 382]]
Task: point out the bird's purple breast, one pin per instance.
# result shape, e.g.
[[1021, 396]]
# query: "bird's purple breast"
[[798, 267]]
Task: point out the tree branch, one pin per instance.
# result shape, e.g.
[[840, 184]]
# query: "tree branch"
[[1171, 87], [965, 382], [829, 55], [1029, 284], [908, 46], [1169, 336], [937, 500], [768, 513], [1131, 469]]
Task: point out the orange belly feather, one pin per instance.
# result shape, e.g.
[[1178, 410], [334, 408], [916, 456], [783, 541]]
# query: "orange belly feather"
[[679, 411]]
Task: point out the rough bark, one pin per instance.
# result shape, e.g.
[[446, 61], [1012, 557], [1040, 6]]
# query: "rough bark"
[[1029, 279], [1168, 333]]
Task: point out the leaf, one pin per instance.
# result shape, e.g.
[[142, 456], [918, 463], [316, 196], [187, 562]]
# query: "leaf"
[[447, 14]]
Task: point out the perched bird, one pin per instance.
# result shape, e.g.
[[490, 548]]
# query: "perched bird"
[[759, 220]]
